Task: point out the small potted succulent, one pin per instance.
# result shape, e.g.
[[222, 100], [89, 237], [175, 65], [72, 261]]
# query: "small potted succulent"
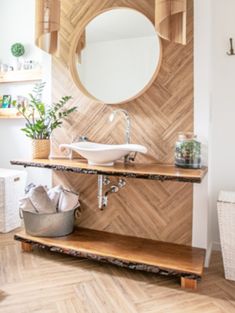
[[42, 120], [17, 50]]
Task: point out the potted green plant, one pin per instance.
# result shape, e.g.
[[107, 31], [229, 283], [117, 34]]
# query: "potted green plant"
[[17, 50], [42, 120]]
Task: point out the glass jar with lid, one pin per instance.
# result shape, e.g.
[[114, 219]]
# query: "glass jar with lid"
[[188, 151]]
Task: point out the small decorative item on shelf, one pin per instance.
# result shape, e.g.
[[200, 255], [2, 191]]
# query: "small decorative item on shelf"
[[42, 120], [188, 151], [30, 65], [6, 102], [7, 107], [3, 68], [17, 50]]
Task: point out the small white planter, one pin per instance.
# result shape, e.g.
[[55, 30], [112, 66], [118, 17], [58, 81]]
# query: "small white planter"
[[226, 217]]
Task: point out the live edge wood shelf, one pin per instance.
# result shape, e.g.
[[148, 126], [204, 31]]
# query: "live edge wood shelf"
[[135, 170], [135, 253]]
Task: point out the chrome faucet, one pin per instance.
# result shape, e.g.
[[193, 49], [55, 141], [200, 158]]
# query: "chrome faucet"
[[127, 158], [83, 138], [128, 123]]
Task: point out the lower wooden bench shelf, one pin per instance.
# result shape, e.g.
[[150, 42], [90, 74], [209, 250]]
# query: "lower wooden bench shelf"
[[131, 252]]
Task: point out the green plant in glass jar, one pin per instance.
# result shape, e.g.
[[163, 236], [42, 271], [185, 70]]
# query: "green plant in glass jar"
[[188, 151]]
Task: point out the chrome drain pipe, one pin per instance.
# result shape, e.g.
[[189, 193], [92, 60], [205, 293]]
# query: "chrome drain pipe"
[[104, 180], [100, 192]]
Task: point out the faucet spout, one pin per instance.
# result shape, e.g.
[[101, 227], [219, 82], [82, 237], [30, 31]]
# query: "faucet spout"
[[128, 123]]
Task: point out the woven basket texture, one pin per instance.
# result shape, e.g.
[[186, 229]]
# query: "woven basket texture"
[[40, 148], [12, 184], [226, 217]]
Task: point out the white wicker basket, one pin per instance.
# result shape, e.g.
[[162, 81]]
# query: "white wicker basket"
[[12, 184], [226, 216]]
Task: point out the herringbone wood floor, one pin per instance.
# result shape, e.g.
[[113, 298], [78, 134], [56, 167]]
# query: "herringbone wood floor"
[[46, 282]]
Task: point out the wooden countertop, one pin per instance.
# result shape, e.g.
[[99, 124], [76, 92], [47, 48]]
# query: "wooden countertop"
[[153, 171]]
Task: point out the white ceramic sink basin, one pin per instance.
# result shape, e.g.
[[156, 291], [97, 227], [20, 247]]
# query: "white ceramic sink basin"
[[103, 154]]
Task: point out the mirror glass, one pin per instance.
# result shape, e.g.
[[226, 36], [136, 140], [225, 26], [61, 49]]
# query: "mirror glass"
[[118, 55]]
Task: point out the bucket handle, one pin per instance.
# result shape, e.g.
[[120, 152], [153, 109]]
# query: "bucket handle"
[[77, 213], [20, 213]]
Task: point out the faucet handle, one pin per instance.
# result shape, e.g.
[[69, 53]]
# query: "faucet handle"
[[83, 138], [129, 157]]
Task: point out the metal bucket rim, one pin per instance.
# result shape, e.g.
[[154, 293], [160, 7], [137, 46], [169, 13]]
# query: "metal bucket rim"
[[47, 214]]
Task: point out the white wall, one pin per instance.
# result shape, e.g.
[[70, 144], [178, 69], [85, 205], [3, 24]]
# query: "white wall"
[[202, 86], [214, 111], [222, 104], [17, 25]]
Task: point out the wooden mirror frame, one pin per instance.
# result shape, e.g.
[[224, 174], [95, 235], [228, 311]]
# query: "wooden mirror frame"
[[78, 33]]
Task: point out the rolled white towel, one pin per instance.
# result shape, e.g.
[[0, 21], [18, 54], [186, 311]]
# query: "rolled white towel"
[[54, 194], [41, 200], [68, 201], [25, 204]]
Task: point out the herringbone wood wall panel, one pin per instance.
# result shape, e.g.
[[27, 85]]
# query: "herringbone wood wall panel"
[[143, 208]]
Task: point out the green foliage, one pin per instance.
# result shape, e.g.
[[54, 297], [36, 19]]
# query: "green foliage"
[[41, 120], [188, 154], [17, 49]]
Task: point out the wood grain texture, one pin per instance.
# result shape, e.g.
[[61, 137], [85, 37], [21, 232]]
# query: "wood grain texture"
[[26, 247], [171, 20], [47, 24], [48, 282], [148, 209], [151, 171], [131, 252], [187, 283]]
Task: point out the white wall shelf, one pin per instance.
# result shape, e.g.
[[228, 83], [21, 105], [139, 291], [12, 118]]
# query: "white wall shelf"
[[10, 113], [21, 76]]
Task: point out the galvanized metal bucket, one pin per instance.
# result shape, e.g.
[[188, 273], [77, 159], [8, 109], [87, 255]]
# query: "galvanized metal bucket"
[[49, 224]]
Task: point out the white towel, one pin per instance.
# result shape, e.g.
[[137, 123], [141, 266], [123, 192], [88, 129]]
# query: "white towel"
[[68, 201], [54, 194], [41, 200], [25, 204]]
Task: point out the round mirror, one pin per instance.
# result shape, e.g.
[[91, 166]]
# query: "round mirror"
[[116, 56]]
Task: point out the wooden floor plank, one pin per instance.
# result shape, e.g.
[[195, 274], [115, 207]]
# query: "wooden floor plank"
[[47, 282]]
